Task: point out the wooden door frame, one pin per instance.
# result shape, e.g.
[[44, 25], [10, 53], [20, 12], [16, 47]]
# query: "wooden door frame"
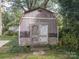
[[31, 32], [41, 23]]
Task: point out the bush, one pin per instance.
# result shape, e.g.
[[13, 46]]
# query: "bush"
[[6, 37], [15, 48], [70, 41], [19, 49], [50, 47], [10, 33]]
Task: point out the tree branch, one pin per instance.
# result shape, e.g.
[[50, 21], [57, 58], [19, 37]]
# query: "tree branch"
[[44, 4], [23, 9]]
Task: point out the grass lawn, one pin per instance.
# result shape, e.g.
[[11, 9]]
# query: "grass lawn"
[[53, 55], [12, 51], [50, 55]]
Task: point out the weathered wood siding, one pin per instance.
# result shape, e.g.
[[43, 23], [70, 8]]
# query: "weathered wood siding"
[[34, 17], [42, 14]]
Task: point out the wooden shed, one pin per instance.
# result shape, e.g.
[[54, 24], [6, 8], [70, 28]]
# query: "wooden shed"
[[38, 27]]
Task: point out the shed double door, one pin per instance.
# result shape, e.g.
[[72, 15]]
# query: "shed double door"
[[39, 34]]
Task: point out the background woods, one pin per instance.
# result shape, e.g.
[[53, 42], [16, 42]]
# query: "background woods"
[[70, 30], [67, 13]]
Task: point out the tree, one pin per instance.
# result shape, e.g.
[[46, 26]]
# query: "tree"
[[11, 18], [30, 4], [0, 19], [70, 12]]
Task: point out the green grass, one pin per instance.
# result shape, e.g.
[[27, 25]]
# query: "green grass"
[[53, 56], [4, 51], [8, 37], [6, 55], [42, 57], [12, 50]]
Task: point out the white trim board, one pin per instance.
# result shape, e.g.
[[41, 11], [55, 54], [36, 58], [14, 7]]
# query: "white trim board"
[[38, 18]]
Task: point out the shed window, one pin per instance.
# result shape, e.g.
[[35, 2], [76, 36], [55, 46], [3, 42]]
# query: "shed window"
[[25, 34]]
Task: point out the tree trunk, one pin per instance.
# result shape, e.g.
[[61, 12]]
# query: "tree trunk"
[[44, 4], [0, 20]]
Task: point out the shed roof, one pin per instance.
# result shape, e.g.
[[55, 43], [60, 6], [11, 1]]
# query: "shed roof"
[[29, 13], [44, 12], [37, 9]]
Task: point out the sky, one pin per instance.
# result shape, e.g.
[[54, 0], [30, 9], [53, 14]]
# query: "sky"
[[6, 5]]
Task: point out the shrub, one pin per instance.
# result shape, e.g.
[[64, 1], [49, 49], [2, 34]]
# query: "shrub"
[[70, 41], [19, 49], [10, 33], [15, 48]]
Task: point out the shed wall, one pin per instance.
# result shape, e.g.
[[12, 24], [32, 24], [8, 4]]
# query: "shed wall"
[[43, 14], [32, 18]]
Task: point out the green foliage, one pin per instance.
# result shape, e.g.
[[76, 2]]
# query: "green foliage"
[[70, 31], [10, 19], [30, 4], [3, 37], [15, 48], [19, 49], [70, 41], [13, 45], [50, 47], [69, 11]]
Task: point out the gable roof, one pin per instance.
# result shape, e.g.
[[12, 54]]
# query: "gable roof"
[[34, 10], [38, 9]]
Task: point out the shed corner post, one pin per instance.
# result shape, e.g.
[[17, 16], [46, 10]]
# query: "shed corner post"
[[57, 34], [19, 36]]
